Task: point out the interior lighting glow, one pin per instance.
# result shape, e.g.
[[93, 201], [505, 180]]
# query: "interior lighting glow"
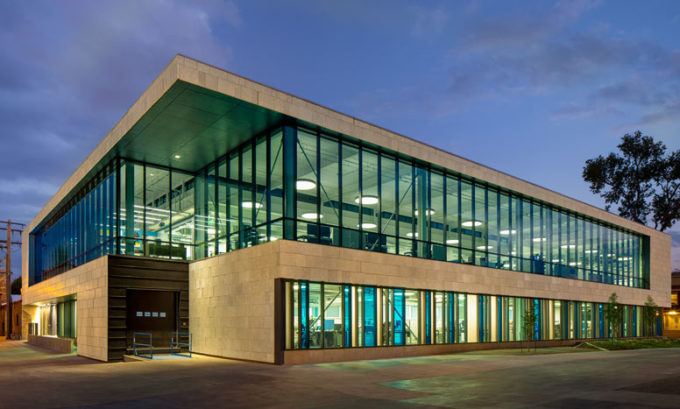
[[471, 223], [484, 247], [367, 225], [428, 212], [539, 239], [508, 232], [305, 184], [311, 216], [367, 200], [249, 205], [177, 157], [410, 234], [452, 241]]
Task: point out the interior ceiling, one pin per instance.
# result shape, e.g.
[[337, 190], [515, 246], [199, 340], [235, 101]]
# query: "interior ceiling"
[[195, 123]]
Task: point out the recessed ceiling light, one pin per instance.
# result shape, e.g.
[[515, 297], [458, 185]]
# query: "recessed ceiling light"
[[484, 247], [471, 223], [508, 232], [410, 234], [311, 216], [452, 241], [428, 212], [367, 200], [568, 246], [305, 184], [367, 225], [249, 205], [537, 239], [177, 157]]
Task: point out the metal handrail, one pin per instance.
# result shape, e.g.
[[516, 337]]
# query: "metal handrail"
[[175, 341], [149, 345]]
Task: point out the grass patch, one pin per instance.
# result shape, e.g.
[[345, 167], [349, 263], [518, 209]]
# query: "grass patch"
[[615, 345]]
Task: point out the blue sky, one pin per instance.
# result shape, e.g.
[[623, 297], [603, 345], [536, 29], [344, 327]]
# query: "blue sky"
[[530, 88]]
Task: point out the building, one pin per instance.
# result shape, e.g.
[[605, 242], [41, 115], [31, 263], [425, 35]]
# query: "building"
[[276, 230], [15, 329], [671, 316]]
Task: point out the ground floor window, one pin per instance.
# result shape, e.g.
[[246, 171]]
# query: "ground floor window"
[[58, 319], [337, 315]]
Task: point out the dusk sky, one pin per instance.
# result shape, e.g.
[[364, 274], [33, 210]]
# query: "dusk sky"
[[533, 91]]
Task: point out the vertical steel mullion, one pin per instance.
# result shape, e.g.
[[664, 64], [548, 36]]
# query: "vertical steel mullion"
[[341, 199], [116, 214], [143, 235], [380, 202], [318, 185], [268, 186]]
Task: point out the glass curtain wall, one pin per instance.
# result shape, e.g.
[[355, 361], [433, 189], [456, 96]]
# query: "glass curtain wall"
[[300, 184], [329, 315], [82, 230], [353, 196]]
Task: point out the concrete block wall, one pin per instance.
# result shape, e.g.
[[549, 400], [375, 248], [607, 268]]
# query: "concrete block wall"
[[88, 283]]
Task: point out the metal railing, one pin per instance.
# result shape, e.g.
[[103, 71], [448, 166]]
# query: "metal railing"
[[136, 344], [178, 340]]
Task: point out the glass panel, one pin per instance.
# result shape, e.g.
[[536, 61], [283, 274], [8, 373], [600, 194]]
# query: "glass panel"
[[369, 202], [412, 307], [315, 316], [186, 228], [388, 200], [330, 187], [332, 316], [261, 183]]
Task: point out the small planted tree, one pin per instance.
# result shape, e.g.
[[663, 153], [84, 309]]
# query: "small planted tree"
[[528, 325], [613, 312], [649, 313]]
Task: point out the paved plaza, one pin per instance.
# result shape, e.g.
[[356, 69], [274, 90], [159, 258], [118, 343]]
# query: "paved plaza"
[[34, 378]]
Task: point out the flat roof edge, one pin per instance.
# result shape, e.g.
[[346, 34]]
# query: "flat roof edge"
[[219, 80]]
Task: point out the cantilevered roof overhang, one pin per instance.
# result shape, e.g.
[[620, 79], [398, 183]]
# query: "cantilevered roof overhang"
[[200, 112], [194, 123]]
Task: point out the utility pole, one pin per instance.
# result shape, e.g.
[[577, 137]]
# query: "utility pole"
[[7, 245]]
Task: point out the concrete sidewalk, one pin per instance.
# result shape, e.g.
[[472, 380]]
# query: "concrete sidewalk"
[[34, 378]]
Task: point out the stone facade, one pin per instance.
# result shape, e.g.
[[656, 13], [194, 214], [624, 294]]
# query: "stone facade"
[[231, 296], [88, 283]]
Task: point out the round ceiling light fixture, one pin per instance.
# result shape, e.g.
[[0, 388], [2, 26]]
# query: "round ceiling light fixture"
[[305, 184], [367, 200]]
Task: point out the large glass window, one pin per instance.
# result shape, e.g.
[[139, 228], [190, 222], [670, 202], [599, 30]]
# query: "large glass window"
[[306, 185]]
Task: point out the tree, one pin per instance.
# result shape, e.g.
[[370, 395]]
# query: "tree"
[[649, 312], [641, 180], [528, 324], [613, 312], [16, 286]]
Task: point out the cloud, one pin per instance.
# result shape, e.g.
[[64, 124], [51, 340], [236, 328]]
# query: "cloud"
[[70, 71], [428, 21], [23, 185]]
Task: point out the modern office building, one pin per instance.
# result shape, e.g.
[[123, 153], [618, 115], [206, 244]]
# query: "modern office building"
[[277, 230]]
